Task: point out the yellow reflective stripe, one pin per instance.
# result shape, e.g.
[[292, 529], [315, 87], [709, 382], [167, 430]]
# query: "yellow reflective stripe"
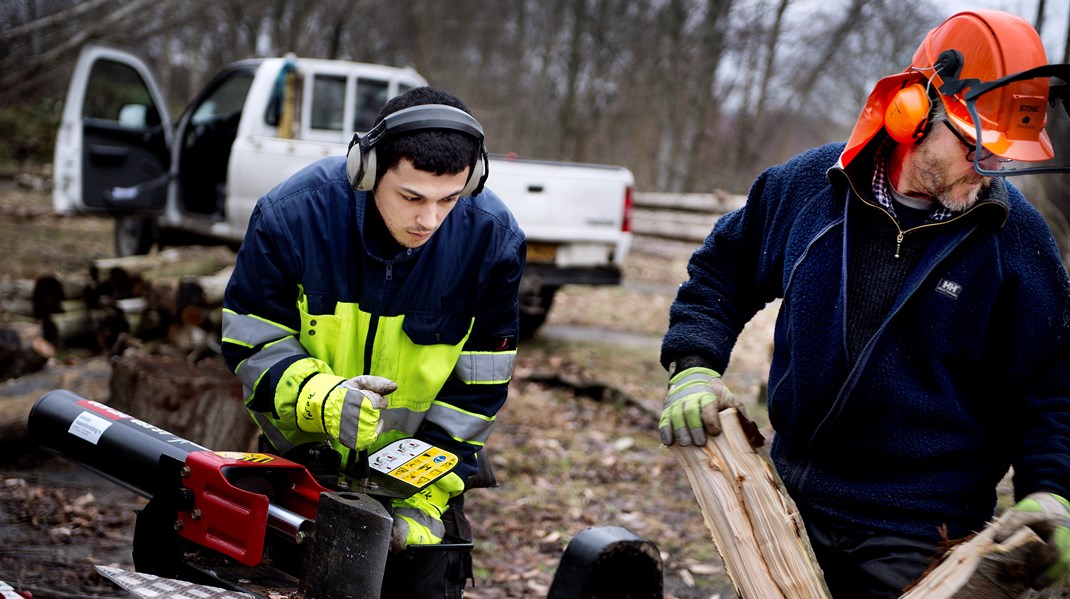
[[485, 368], [249, 330], [462, 425]]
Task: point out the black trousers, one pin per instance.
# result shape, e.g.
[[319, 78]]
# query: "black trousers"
[[433, 572], [868, 566]]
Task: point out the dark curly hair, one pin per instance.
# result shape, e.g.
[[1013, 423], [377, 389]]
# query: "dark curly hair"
[[439, 151]]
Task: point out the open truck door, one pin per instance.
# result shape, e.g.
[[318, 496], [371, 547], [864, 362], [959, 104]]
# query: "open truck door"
[[113, 145]]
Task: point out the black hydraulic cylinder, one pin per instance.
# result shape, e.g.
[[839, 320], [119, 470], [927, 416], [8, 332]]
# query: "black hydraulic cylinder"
[[123, 449]]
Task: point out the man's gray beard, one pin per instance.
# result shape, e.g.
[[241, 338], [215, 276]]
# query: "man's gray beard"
[[954, 205]]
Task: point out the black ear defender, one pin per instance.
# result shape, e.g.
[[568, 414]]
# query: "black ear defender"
[[907, 116], [361, 162]]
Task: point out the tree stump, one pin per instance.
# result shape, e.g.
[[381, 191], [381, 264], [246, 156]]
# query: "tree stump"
[[201, 402]]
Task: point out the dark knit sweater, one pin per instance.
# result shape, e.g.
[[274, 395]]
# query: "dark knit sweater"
[[961, 364]]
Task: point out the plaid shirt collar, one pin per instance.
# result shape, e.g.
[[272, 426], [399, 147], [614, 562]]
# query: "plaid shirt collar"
[[882, 190]]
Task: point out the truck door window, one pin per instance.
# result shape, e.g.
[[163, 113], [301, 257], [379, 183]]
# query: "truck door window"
[[117, 93], [206, 144], [227, 98], [371, 96], [328, 102]]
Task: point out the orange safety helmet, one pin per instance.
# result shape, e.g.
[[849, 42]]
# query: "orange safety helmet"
[[990, 44]]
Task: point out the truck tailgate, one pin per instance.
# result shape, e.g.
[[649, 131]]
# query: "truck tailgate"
[[560, 202]]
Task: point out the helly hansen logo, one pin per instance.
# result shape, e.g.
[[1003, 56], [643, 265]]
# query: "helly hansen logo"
[[949, 288]]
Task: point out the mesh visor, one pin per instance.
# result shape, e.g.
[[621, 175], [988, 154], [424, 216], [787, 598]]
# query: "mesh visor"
[[1022, 119]]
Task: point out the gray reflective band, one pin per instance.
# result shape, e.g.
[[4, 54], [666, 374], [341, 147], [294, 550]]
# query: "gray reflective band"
[[274, 435], [350, 425], [461, 425], [255, 365], [402, 419], [251, 330], [485, 367], [433, 524]]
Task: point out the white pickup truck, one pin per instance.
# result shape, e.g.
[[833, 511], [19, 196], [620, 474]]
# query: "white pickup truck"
[[257, 122]]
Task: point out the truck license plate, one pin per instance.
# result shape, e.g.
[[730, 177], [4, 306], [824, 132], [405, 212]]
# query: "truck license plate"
[[542, 252]]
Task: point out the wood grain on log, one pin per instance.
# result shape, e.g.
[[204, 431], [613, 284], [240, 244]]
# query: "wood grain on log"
[[982, 567], [754, 523]]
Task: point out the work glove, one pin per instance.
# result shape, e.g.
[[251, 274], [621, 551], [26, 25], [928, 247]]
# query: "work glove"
[[418, 519], [693, 404], [346, 409], [1049, 516]]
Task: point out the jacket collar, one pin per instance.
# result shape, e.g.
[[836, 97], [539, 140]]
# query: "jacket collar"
[[993, 207]]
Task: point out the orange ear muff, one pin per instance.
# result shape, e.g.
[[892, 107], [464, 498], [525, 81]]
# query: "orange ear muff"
[[908, 114]]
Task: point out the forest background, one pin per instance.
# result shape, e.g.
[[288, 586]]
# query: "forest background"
[[691, 95]]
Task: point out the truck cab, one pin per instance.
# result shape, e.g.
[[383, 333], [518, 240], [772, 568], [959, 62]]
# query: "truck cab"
[[253, 125], [258, 121]]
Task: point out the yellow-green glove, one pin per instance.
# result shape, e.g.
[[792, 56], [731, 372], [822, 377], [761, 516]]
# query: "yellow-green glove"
[[346, 409], [1048, 515], [418, 519], [693, 404]]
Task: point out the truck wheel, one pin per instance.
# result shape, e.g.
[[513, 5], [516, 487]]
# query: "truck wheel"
[[534, 308], [135, 235]]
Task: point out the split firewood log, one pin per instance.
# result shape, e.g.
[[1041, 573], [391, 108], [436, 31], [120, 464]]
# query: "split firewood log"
[[754, 523], [981, 567]]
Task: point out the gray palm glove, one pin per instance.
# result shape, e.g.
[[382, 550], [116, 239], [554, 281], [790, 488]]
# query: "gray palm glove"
[[693, 405], [1049, 516], [359, 410]]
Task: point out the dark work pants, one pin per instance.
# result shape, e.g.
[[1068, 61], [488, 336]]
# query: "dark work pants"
[[868, 566], [433, 573]]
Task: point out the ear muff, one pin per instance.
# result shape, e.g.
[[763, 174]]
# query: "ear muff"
[[907, 116], [361, 161]]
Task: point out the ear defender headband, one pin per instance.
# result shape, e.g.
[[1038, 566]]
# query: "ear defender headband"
[[361, 162], [907, 116]]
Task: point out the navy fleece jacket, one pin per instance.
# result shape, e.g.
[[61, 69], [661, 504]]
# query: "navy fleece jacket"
[[967, 375]]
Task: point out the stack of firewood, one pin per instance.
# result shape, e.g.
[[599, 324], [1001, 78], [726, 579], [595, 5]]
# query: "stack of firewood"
[[169, 300], [154, 321]]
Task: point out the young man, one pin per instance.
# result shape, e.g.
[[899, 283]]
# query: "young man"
[[375, 298], [922, 347]]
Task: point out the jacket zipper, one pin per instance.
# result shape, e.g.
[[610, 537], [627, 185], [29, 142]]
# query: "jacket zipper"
[[373, 322], [848, 385]]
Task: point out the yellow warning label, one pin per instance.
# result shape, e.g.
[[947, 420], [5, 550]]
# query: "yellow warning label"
[[256, 458], [425, 467]]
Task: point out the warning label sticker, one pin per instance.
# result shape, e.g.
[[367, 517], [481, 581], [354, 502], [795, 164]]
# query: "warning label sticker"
[[412, 461], [89, 426]]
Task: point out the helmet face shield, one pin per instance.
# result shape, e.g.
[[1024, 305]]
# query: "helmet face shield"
[[1016, 118]]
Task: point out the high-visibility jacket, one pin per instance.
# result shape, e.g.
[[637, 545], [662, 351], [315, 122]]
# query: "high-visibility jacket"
[[312, 296]]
